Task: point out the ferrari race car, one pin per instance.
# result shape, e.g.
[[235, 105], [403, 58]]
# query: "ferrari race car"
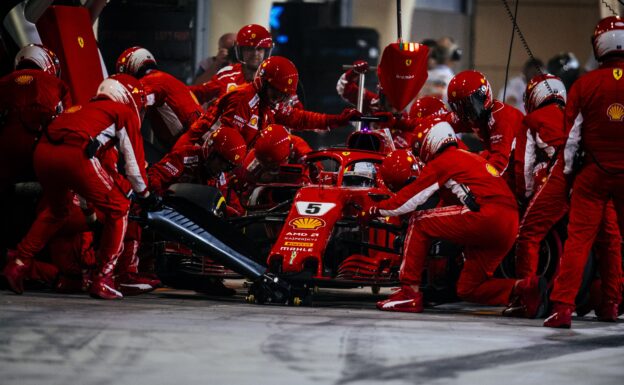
[[305, 236]]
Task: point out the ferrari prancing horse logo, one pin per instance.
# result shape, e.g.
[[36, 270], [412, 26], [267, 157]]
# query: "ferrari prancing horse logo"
[[617, 73], [80, 41]]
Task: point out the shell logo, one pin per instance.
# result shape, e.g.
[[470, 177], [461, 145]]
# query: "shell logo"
[[408, 62], [80, 41], [410, 159], [22, 80], [306, 223], [73, 109], [615, 112], [617, 73], [482, 81], [493, 171]]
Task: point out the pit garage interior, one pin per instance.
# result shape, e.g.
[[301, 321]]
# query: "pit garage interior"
[[272, 330]]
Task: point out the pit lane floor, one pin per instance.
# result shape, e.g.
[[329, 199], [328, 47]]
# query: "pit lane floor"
[[179, 337]]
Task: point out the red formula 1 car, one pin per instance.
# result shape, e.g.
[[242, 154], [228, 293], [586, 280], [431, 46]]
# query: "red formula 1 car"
[[307, 236]]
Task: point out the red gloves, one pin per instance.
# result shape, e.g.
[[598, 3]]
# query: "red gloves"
[[365, 216], [343, 118], [360, 67]]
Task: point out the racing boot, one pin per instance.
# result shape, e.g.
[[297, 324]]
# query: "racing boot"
[[607, 311], [560, 317], [405, 299], [16, 270], [103, 287], [514, 309], [135, 283], [533, 296]]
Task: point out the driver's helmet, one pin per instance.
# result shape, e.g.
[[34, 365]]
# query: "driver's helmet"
[[359, 174]]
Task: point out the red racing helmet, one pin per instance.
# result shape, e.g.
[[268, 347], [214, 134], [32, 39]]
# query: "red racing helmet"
[[228, 143], [437, 135], [608, 38], [278, 72], [470, 95], [427, 106], [38, 56], [135, 61], [253, 36], [398, 168], [123, 88], [273, 145], [544, 89]]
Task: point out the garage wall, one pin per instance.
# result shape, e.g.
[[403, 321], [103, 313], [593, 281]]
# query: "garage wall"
[[231, 15], [549, 26]]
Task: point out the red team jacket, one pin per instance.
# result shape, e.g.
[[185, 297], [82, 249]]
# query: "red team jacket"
[[593, 121], [241, 108], [445, 172], [118, 128], [172, 108], [227, 79], [182, 165], [31, 98], [544, 135]]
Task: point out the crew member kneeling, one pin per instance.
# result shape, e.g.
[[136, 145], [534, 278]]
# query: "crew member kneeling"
[[484, 221]]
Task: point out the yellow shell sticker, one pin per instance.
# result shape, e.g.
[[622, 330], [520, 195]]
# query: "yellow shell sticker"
[[482, 81], [615, 112], [307, 223], [617, 73], [253, 121], [80, 41], [230, 87], [22, 80], [410, 159], [408, 62], [73, 109], [492, 170]]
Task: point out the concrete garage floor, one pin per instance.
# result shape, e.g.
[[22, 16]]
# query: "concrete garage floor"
[[179, 337]]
